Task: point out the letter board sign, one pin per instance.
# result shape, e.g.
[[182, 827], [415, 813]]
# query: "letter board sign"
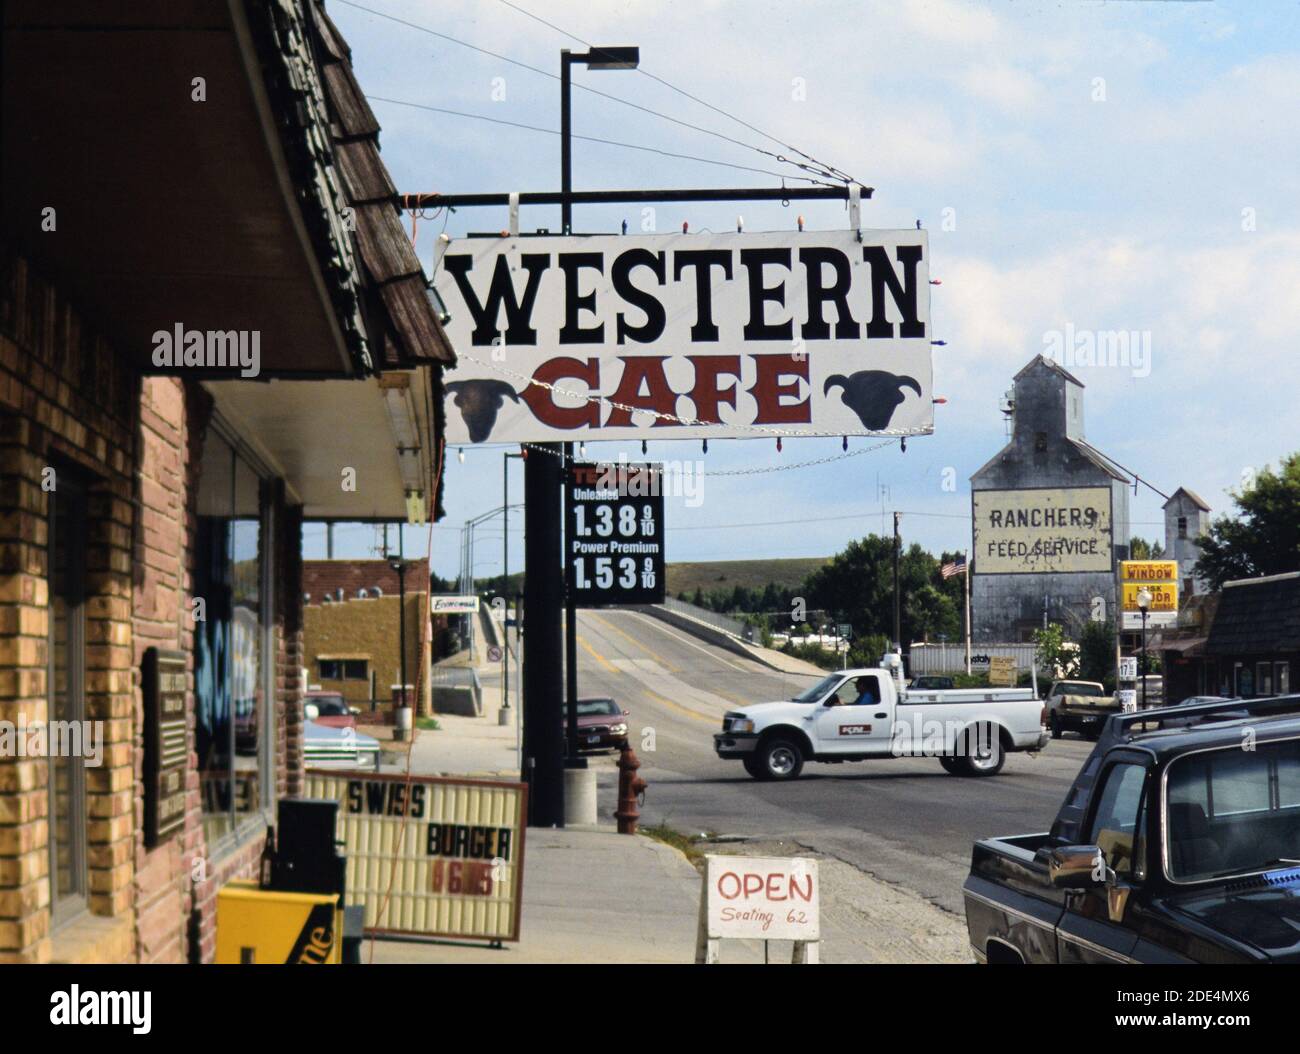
[[727, 335], [166, 746], [614, 534], [434, 857]]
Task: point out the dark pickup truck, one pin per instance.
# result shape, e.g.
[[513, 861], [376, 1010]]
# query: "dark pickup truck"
[[1179, 842]]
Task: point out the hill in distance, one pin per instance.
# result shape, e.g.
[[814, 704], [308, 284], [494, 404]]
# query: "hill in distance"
[[752, 574]]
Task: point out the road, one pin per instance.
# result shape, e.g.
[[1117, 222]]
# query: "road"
[[903, 820]]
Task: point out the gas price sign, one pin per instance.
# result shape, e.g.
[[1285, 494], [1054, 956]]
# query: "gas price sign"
[[614, 541]]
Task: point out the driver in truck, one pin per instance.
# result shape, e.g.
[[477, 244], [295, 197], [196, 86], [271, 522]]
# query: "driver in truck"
[[868, 695]]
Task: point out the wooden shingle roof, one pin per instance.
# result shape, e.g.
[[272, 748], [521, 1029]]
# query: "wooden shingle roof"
[[401, 318], [1257, 616]]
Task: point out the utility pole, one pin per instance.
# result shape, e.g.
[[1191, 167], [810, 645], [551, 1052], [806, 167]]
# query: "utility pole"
[[898, 610]]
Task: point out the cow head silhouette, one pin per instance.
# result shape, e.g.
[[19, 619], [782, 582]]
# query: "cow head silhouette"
[[873, 395], [479, 401]]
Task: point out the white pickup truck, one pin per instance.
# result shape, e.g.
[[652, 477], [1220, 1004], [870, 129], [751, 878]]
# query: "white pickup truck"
[[857, 715]]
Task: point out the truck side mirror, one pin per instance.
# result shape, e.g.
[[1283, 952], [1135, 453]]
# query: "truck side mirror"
[[1076, 867]]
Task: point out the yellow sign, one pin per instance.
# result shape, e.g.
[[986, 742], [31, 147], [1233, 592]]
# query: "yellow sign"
[[271, 926], [1002, 671], [1042, 530], [1164, 596], [434, 857], [1148, 571]]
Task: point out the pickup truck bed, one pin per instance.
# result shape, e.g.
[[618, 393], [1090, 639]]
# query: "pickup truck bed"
[[1136, 868]]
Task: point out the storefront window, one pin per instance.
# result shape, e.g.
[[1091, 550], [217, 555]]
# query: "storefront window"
[[67, 699], [231, 671]]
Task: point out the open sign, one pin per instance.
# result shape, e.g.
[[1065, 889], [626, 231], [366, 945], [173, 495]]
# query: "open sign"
[[763, 898]]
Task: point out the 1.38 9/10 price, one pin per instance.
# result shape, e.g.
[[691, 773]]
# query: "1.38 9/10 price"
[[628, 524]]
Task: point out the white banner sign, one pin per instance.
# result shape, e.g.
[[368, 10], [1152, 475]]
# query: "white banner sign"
[[452, 605], [811, 332], [762, 898], [1042, 530]]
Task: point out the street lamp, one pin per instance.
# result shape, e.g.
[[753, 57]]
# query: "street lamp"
[[611, 58], [1144, 602], [604, 58], [402, 713]]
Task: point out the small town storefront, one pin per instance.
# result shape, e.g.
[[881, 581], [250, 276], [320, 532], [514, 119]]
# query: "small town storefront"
[[1253, 647], [150, 535]]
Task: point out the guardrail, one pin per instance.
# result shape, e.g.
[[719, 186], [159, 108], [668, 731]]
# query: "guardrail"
[[456, 690], [723, 622]]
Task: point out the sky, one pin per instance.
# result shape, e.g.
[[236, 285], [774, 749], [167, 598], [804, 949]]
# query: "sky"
[[1080, 166]]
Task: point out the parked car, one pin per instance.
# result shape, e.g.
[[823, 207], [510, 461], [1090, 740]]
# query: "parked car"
[[1080, 706], [932, 683], [326, 747], [855, 715], [602, 724], [1173, 845], [330, 709]]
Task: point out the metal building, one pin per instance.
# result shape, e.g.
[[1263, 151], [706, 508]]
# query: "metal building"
[[1050, 516]]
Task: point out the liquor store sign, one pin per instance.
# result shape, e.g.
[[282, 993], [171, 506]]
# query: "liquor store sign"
[[1160, 580], [429, 856], [614, 540]]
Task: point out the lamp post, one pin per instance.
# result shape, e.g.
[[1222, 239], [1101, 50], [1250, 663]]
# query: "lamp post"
[[604, 58], [401, 713], [1144, 602]]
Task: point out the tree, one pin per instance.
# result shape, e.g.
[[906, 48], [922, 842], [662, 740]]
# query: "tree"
[[1053, 652], [1263, 538], [1097, 652], [1141, 549]]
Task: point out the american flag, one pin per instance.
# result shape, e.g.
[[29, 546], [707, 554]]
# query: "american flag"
[[954, 567]]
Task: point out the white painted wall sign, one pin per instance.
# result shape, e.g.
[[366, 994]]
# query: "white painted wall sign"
[[1044, 529]]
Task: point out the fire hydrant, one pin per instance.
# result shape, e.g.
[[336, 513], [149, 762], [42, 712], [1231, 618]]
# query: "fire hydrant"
[[631, 787]]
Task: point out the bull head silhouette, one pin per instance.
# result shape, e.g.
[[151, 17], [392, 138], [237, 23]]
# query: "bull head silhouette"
[[873, 395], [479, 402]]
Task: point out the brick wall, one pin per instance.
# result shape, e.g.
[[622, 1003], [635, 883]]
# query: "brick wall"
[[66, 401], [368, 628]]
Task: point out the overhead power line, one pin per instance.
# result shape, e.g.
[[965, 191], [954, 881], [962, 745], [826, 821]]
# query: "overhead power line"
[[829, 169], [591, 139], [815, 167]]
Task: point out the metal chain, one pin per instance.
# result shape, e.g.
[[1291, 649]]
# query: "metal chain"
[[587, 397]]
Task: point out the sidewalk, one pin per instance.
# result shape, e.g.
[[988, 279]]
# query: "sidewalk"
[[591, 897]]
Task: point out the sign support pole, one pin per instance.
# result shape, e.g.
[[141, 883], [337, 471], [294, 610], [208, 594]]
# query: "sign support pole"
[[572, 759], [543, 732]]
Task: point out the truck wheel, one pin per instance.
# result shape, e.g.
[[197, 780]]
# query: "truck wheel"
[[983, 753], [1054, 725], [952, 766], [753, 767], [779, 759]]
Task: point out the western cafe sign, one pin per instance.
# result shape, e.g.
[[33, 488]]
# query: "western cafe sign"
[[684, 335]]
